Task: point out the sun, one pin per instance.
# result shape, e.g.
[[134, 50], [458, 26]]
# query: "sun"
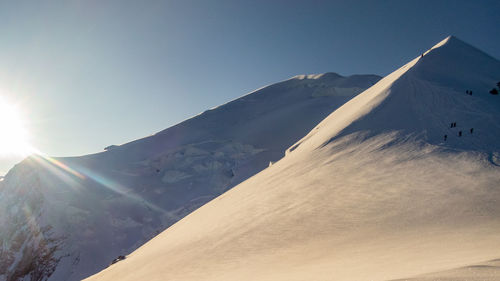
[[13, 133]]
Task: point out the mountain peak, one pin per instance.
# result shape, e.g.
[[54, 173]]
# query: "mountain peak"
[[421, 99], [447, 40], [459, 65], [456, 45], [450, 40], [323, 76]]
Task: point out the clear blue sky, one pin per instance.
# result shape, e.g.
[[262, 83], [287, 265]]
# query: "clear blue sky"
[[91, 73]]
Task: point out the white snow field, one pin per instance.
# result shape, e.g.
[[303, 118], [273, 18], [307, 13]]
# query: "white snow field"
[[68, 218], [371, 193]]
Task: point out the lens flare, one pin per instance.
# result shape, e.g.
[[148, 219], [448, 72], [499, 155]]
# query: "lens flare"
[[68, 173], [14, 141]]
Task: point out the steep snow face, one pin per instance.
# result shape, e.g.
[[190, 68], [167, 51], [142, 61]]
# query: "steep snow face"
[[68, 218], [374, 192], [422, 99]]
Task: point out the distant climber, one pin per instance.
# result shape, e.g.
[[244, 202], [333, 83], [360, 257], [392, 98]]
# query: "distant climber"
[[471, 130], [459, 133], [451, 125], [455, 124], [422, 55], [445, 137], [119, 258]]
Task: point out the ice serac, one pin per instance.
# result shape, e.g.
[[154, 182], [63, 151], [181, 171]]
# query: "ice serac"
[[373, 192], [68, 218]]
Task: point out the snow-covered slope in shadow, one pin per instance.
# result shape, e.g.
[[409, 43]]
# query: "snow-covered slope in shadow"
[[484, 271], [374, 192], [68, 218]]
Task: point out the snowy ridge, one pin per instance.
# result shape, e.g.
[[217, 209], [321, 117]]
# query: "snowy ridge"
[[86, 211], [374, 192], [354, 109], [433, 86]]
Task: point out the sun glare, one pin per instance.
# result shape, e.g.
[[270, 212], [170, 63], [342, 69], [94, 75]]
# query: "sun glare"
[[13, 134]]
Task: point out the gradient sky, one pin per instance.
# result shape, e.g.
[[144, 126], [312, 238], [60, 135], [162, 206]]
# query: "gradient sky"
[[92, 73]]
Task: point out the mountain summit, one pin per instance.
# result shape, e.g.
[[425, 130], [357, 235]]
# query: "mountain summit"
[[374, 192], [422, 99]]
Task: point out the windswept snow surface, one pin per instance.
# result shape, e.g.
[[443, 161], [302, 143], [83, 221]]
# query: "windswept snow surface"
[[68, 218], [372, 193], [484, 271]]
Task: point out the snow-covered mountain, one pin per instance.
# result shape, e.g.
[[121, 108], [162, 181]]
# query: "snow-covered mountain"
[[401, 181], [68, 218]]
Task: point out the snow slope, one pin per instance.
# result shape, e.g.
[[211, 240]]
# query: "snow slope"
[[68, 218], [484, 271], [373, 192]]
